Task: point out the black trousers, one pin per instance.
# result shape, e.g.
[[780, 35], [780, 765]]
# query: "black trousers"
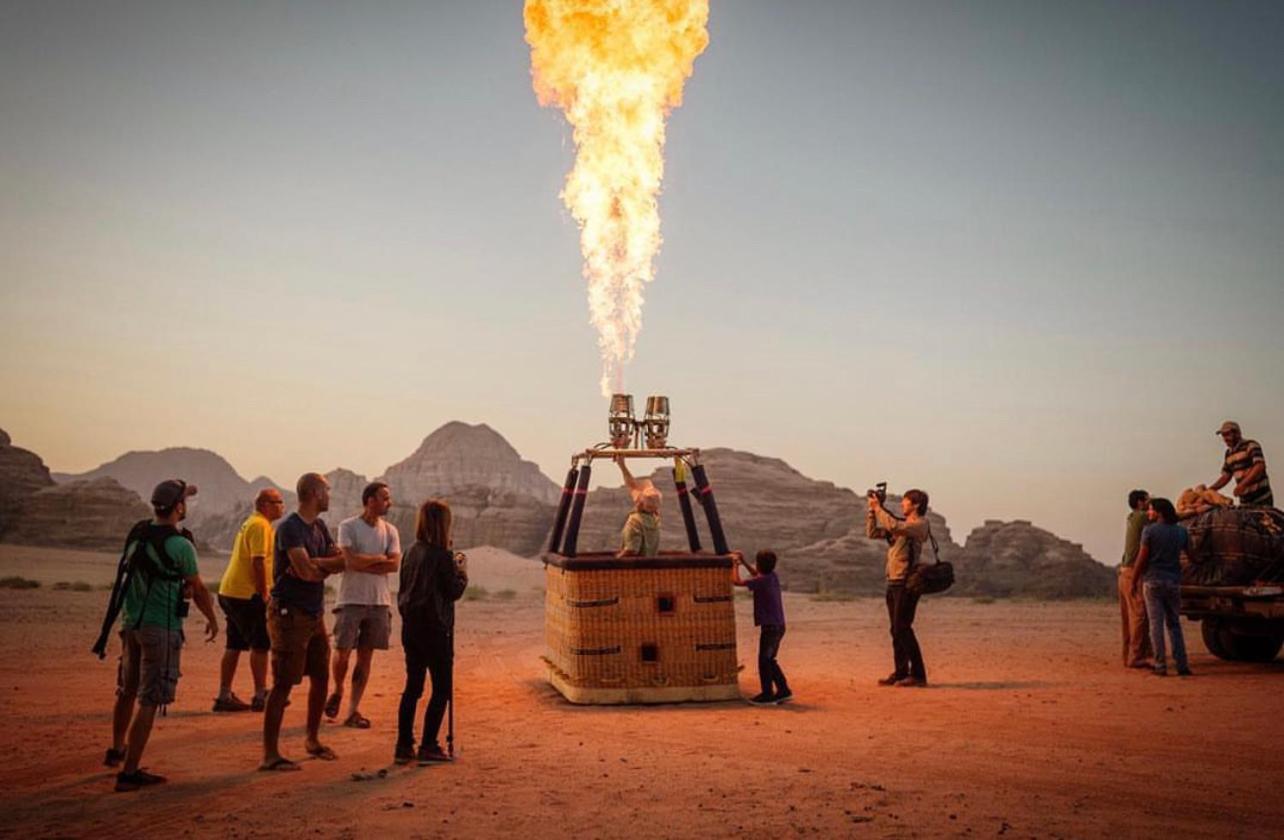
[[769, 672], [429, 651], [901, 606]]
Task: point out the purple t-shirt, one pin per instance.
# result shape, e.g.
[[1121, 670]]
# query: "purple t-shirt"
[[768, 609]]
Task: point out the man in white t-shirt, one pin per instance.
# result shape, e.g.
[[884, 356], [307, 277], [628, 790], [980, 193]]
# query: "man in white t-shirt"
[[372, 551]]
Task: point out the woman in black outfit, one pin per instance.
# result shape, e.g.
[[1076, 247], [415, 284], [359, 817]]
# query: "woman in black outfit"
[[431, 582]]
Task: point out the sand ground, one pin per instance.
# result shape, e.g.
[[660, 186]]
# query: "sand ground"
[[1031, 728]]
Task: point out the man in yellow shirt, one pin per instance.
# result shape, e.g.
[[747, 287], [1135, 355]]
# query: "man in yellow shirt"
[[243, 595]]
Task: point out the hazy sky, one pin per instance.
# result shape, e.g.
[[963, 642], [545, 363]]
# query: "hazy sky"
[[1026, 255]]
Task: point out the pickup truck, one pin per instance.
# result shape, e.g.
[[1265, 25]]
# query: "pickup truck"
[[1233, 582]]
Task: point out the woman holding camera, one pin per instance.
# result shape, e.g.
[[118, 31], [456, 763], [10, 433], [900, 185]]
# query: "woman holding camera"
[[905, 539], [432, 580]]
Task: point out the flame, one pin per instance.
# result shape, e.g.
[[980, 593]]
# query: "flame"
[[616, 69]]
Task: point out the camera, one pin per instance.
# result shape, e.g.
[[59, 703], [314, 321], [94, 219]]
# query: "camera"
[[879, 492]]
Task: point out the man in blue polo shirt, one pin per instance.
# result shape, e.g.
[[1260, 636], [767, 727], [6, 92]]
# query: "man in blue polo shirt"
[[303, 556]]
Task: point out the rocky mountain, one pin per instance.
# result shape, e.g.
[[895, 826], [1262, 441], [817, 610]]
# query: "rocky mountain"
[[345, 495], [1004, 559], [95, 513], [459, 456], [221, 487], [501, 500], [22, 474]]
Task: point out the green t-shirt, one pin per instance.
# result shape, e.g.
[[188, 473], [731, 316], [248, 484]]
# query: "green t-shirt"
[[1132, 537], [156, 599], [641, 534]]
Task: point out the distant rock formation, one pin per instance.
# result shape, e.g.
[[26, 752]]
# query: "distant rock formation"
[[1004, 559], [95, 513], [22, 474], [500, 500], [496, 498], [345, 495], [459, 456], [221, 487]]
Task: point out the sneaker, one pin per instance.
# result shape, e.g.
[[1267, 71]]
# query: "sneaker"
[[259, 703], [763, 699], [113, 758], [784, 697], [431, 754], [231, 703], [1184, 672], [911, 682], [127, 782], [403, 753], [891, 679]]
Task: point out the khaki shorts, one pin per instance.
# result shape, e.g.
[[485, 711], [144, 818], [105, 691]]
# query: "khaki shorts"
[[365, 626], [149, 658], [299, 644]]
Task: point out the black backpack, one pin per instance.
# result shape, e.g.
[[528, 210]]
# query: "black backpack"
[[141, 562]]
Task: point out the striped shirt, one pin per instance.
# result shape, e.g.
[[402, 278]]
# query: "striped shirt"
[[1239, 460]]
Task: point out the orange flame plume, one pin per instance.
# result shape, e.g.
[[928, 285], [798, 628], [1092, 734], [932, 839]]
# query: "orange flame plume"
[[616, 69]]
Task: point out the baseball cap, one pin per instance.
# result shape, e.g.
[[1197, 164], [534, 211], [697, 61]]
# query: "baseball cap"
[[171, 491], [1228, 426]]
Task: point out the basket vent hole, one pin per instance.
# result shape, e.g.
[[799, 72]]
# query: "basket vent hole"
[[666, 604], [651, 653]]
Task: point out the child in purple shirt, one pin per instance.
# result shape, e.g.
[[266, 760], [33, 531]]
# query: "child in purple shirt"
[[769, 617]]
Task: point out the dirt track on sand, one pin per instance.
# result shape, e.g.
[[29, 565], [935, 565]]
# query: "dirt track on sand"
[[1031, 728]]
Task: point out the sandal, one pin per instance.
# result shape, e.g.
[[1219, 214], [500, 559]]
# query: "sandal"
[[279, 763], [322, 752], [332, 705], [356, 721]]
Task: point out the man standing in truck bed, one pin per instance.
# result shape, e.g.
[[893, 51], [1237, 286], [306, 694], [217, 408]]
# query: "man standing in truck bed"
[[1245, 462]]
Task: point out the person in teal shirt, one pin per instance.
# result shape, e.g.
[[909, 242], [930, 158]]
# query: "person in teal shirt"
[[152, 630]]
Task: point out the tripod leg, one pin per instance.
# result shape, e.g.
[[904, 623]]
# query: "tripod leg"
[[450, 724]]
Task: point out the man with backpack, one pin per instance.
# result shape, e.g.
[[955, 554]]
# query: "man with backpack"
[[161, 562]]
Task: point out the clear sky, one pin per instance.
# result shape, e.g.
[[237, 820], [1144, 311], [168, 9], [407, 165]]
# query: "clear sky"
[[1026, 255]]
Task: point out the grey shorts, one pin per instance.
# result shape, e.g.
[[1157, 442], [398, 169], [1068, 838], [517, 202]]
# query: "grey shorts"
[[149, 658], [362, 626]]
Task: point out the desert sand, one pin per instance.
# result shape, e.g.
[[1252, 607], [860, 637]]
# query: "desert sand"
[[1030, 728]]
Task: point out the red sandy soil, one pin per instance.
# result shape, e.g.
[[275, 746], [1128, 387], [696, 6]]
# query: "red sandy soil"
[[1031, 728]]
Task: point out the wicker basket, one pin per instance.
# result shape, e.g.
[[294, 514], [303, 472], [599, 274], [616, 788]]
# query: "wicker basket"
[[640, 629]]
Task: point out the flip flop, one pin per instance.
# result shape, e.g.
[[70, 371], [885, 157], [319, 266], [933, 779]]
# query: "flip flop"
[[322, 752], [356, 721], [280, 764], [332, 706]]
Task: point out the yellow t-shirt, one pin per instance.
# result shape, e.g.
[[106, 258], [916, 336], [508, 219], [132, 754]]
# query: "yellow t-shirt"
[[254, 540]]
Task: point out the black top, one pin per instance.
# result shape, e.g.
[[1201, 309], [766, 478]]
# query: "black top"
[[315, 539], [431, 583]]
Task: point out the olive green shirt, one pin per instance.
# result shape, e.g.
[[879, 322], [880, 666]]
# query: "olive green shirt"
[[1132, 537], [641, 534]]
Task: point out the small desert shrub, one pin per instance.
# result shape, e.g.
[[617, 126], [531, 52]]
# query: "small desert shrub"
[[15, 582], [505, 595], [475, 593]]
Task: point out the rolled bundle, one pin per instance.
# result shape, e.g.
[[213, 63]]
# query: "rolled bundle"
[[1199, 499], [1235, 547]]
